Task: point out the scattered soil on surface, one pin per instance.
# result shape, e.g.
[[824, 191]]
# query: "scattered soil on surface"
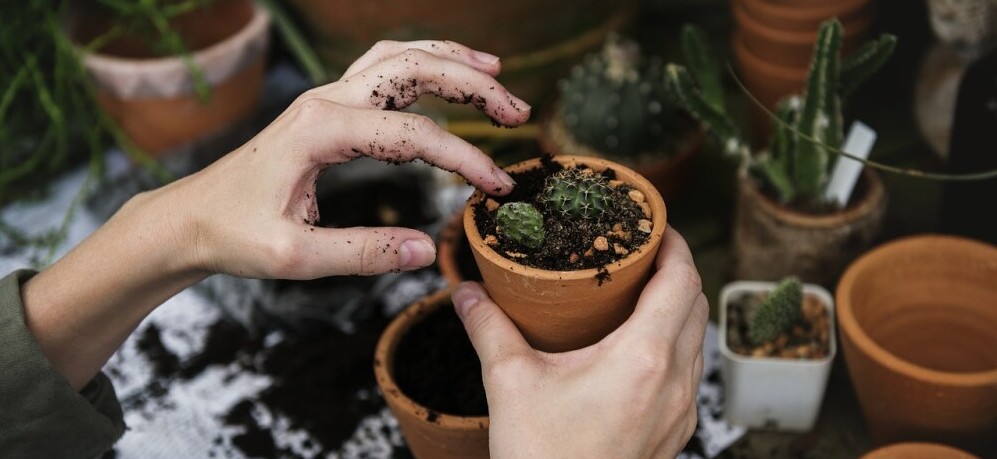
[[567, 243], [808, 339], [436, 366]]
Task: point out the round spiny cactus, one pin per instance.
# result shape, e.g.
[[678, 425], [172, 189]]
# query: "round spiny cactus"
[[522, 223], [778, 312], [615, 101], [577, 194]]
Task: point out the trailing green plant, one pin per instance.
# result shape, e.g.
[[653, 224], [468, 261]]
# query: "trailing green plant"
[[521, 223], [578, 194], [778, 311], [615, 101], [807, 129]]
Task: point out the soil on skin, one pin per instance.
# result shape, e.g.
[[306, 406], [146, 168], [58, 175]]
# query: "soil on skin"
[[436, 366], [808, 338], [566, 237]]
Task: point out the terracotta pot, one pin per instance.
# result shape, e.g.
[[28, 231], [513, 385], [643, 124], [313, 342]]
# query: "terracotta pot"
[[772, 241], [153, 98], [537, 41], [429, 433], [917, 451], [788, 47], [917, 320], [802, 16], [565, 310], [453, 253], [669, 173]]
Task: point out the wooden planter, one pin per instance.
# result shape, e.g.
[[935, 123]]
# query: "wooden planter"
[[429, 434], [565, 310], [772, 241], [918, 319]]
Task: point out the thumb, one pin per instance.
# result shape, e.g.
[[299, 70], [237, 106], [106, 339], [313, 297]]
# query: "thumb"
[[491, 332], [365, 251]]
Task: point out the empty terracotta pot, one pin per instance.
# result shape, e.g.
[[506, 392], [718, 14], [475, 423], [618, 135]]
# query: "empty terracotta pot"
[[453, 253], [429, 433], [915, 450], [918, 319], [772, 241], [565, 310]]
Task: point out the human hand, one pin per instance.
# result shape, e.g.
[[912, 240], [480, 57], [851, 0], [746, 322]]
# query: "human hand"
[[631, 395], [254, 210]]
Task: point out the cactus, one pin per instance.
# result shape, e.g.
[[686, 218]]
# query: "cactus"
[[807, 129], [778, 312], [615, 102], [579, 194], [521, 223]]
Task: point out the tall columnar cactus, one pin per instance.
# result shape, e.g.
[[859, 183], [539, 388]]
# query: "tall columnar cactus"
[[807, 128], [778, 312], [615, 101], [578, 194], [522, 223]]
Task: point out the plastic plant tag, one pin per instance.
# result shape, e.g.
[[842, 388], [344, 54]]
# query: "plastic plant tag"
[[846, 172]]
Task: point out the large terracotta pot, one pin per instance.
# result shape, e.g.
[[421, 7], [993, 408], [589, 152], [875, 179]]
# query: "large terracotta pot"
[[918, 319], [564, 310], [915, 450], [772, 241], [538, 41], [453, 253], [153, 98], [429, 433], [668, 171]]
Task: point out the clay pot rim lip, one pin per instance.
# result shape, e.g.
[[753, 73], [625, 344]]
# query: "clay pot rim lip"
[[734, 287], [813, 12], [919, 446], [849, 324], [258, 24], [658, 222], [874, 195], [751, 25], [384, 374], [691, 141]]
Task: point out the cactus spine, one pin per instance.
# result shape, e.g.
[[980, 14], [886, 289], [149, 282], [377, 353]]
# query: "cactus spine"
[[521, 223], [778, 312], [807, 128], [579, 194], [615, 101]]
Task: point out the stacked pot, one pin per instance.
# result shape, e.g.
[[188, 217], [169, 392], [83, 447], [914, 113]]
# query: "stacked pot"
[[773, 41]]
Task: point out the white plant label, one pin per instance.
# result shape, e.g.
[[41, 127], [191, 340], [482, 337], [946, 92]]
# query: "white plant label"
[[846, 172]]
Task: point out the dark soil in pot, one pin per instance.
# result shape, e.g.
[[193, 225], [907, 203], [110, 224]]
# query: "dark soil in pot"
[[808, 339], [436, 366], [569, 244]]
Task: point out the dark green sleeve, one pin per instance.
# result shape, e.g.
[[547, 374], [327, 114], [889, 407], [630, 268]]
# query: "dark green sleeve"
[[40, 413]]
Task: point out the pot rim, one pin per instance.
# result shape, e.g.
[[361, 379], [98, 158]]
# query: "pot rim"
[[752, 25], [384, 355], [654, 199], [849, 324], [870, 200], [735, 287], [905, 449], [840, 9]]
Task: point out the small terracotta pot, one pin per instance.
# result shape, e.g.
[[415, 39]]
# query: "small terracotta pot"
[[772, 241], [915, 450], [669, 174], [917, 320], [153, 99], [560, 311], [429, 433], [453, 253]]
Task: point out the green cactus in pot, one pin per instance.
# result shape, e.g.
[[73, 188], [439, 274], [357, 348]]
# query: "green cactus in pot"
[[521, 223], [808, 128], [578, 194], [778, 311]]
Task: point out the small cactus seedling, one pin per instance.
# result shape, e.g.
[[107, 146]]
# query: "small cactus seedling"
[[808, 128], [578, 194], [778, 312], [522, 223], [615, 101]]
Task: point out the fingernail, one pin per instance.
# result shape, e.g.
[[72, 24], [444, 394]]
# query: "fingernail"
[[465, 296], [506, 180], [519, 104], [416, 253], [485, 58]]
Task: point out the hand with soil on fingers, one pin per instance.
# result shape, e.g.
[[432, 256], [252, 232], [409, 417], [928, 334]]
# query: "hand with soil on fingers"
[[252, 212], [631, 395]]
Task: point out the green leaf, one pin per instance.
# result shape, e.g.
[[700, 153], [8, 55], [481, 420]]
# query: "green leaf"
[[864, 62], [702, 65]]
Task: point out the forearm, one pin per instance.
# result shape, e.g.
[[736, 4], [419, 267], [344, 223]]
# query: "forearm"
[[83, 307]]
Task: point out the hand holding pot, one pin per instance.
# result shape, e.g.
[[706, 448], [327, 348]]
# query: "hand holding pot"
[[631, 395]]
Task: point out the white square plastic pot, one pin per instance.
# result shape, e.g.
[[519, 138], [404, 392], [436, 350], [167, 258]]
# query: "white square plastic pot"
[[768, 392]]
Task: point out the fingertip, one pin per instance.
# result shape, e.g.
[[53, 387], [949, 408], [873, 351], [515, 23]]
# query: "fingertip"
[[466, 295], [416, 253]]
